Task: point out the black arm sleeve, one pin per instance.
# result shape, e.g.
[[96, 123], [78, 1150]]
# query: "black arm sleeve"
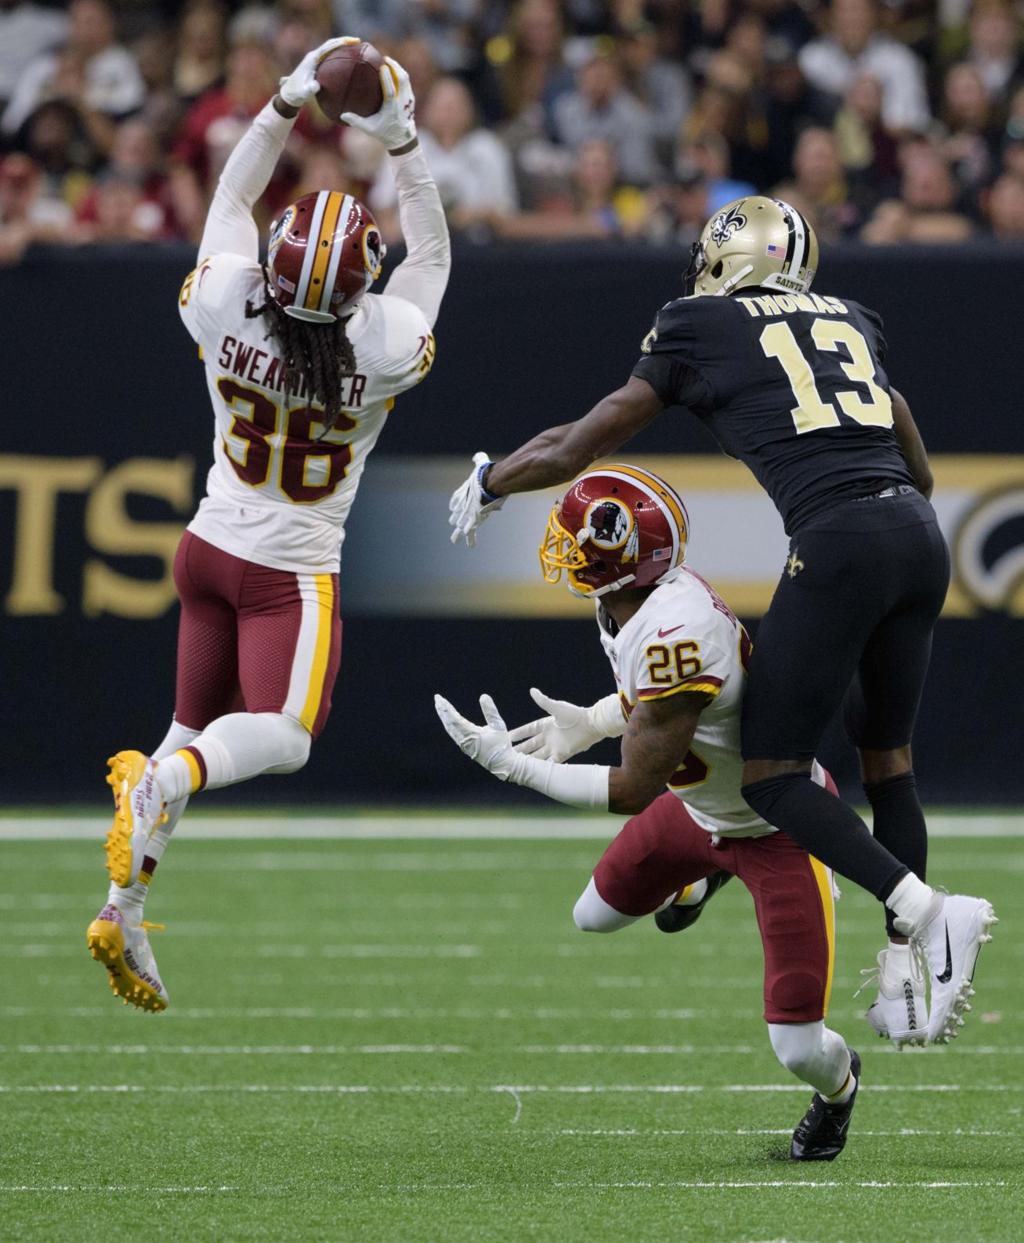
[[676, 383]]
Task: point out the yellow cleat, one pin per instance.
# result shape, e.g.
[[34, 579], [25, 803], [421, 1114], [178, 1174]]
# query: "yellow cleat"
[[138, 810], [125, 951]]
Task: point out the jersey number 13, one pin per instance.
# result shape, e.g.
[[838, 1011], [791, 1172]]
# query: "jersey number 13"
[[811, 412]]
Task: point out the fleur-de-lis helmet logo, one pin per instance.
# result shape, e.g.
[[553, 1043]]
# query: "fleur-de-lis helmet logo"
[[726, 224]]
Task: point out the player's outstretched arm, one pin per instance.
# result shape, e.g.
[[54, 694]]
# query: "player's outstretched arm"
[[421, 278], [911, 444], [230, 227], [654, 745], [553, 457], [568, 728]]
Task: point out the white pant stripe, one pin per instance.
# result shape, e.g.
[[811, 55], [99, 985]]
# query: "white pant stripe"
[[305, 647]]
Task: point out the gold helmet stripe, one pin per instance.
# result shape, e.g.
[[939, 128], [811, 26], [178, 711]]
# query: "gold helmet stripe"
[[336, 252], [323, 247], [302, 287], [661, 494], [670, 498]]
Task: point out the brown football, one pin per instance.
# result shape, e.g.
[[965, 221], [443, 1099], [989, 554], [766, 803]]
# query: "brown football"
[[349, 80]]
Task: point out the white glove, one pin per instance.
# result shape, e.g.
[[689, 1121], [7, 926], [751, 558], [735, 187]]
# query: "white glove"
[[469, 505], [578, 785], [301, 85], [569, 729], [488, 744], [394, 122]]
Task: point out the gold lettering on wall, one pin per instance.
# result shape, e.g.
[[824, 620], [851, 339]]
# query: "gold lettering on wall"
[[111, 530], [38, 481]]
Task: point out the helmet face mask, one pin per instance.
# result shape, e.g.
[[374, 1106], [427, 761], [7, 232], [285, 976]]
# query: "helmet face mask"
[[323, 254], [753, 242], [616, 527]]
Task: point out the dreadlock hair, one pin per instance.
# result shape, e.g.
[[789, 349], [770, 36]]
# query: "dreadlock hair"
[[317, 357]]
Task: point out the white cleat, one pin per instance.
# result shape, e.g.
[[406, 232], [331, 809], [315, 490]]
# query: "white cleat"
[[949, 945], [138, 810], [900, 1011], [123, 948]]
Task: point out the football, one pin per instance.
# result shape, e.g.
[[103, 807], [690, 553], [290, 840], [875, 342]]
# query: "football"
[[349, 80]]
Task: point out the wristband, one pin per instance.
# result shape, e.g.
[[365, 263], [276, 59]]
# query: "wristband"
[[578, 785], [481, 474]]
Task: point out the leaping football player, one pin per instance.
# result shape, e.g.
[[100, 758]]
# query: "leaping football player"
[[303, 364], [679, 658], [793, 384]]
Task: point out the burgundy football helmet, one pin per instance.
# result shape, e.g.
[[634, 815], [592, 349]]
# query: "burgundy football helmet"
[[617, 526], [324, 253]]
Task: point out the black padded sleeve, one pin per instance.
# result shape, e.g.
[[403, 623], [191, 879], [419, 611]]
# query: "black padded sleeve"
[[675, 383]]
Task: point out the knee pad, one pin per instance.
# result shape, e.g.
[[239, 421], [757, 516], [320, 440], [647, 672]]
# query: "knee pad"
[[798, 1046], [593, 914], [295, 742]]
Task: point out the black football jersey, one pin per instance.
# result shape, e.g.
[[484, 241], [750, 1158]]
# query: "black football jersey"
[[792, 385]]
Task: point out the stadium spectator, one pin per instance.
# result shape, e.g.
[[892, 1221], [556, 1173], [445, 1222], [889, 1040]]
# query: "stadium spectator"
[[870, 154], [597, 206], [972, 142], [111, 84], [135, 162], [661, 84], [601, 107], [1006, 208], [199, 62], [709, 154], [926, 210], [443, 25], [59, 145], [26, 32], [853, 46], [20, 185], [472, 168], [530, 65], [789, 105], [994, 48], [819, 189], [163, 109], [679, 210]]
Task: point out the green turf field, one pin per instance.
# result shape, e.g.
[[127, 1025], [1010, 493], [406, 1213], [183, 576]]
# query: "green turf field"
[[408, 1040]]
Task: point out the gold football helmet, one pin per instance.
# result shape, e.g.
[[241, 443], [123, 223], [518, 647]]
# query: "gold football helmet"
[[753, 242]]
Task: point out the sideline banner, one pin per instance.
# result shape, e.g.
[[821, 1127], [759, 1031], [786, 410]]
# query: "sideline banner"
[[99, 540]]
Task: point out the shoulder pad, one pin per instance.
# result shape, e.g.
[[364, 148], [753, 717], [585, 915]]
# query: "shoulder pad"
[[677, 324]]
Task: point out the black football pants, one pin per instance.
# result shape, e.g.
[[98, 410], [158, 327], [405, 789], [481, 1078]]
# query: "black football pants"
[[862, 590]]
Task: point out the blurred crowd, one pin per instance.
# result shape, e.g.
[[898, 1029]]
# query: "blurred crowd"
[[888, 121]]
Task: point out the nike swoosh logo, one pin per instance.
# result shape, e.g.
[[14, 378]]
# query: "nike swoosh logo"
[[663, 634], [947, 975]]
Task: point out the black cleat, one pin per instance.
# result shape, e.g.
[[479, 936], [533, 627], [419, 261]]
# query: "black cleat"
[[676, 918], [821, 1135]]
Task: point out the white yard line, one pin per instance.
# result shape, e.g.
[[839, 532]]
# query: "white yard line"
[[405, 1188], [547, 1050], [456, 826], [585, 1089]]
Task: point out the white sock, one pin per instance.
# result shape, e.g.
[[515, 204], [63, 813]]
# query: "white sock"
[[234, 748], [131, 899], [815, 1054], [593, 914], [912, 902]]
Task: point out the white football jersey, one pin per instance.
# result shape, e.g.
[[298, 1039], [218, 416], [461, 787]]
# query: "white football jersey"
[[279, 490], [685, 638]]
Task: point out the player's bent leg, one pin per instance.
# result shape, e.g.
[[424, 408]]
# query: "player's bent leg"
[[593, 914], [656, 855], [121, 944], [820, 1057], [235, 748]]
